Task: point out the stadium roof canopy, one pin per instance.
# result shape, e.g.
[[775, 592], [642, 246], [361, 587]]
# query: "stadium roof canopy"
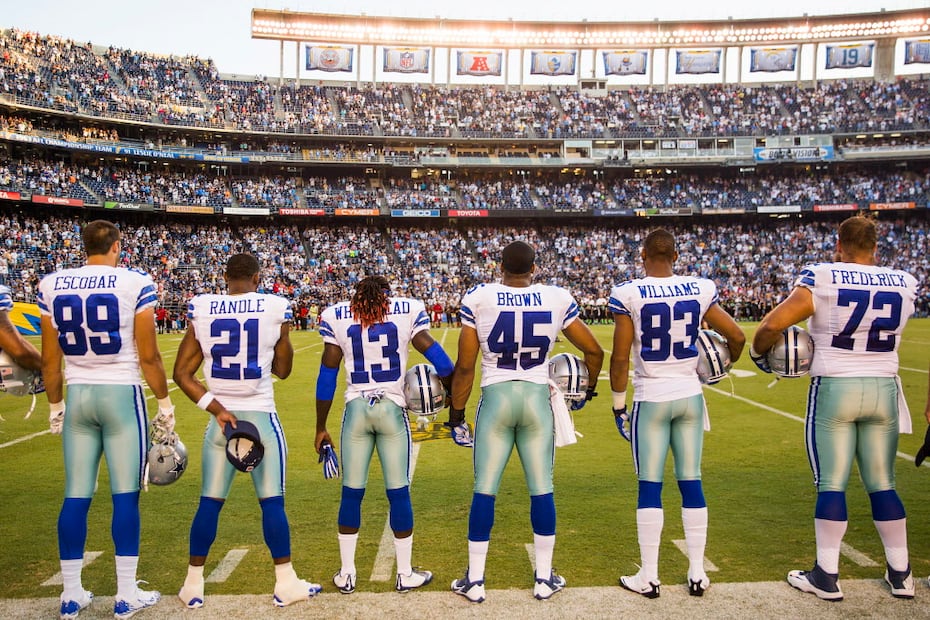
[[283, 25]]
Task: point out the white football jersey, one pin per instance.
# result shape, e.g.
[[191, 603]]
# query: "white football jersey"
[[375, 357], [666, 314], [94, 308], [517, 327], [859, 314], [238, 334]]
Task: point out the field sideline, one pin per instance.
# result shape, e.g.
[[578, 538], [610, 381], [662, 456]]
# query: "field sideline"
[[756, 477]]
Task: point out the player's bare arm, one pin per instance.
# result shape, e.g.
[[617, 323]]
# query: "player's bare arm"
[[153, 369], [797, 307], [188, 361], [580, 335], [51, 362], [20, 349], [620, 353], [724, 324], [463, 377], [331, 358], [283, 360]]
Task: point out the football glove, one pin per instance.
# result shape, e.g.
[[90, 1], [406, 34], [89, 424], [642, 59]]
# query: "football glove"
[[163, 426], [577, 404], [622, 420], [56, 417], [461, 434], [924, 449], [330, 461], [759, 360]]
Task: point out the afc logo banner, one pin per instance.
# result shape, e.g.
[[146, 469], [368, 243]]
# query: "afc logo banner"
[[479, 62]]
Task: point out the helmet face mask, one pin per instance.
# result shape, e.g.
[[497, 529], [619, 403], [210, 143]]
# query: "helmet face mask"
[[166, 462], [791, 356], [423, 391], [570, 375], [714, 360]]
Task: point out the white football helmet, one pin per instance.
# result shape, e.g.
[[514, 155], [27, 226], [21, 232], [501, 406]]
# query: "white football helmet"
[[14, 379], [570, 375], [791, 356], [713, 357], [423, 391], [166, 461]]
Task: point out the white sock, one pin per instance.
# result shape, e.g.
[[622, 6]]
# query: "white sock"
[[71, 579], [347, 543], [126, 566], [194, 575], [894, 538], [477, 556], [829, 534], [403, 549], [649, 522], [284, 573], [544, 545], [694, 521]]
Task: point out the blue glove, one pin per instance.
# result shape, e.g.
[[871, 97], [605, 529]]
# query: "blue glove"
[[6, 300], [759, 360], [622, 420], [330, 461], [577, 404], [461, 434]]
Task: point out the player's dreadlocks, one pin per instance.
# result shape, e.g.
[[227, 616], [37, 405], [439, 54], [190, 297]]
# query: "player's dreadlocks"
[[370, 302]]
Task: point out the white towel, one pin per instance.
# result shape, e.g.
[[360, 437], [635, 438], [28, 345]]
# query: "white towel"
[[562, 419], [904, 414]]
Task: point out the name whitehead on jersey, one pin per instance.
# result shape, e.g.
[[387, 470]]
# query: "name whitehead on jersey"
[[397, 307]]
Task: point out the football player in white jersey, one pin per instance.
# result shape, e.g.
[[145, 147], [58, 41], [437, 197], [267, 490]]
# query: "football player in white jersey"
[[371, 335], [513, 325], [658, 318], [100, 320], [856, 312], [241, 338], [11, 341]]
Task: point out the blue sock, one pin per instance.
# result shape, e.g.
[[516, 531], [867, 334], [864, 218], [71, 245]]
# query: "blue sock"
[[275, 527], [481, 517], [831, 506], [650, 494], [401, 515], [203, 529], [350, 508], [692, 494], [886, 506], [542, 514], [72, 528], [125, 527]]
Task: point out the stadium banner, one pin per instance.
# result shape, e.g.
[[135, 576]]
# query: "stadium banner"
[[697, 61], [25, 318], [415, 213], [558, 62], [354, 211], [406, 60], [887, 206], [849, 56], [468, 212], [917, 51], [189, 209], [625, 62], [330, 58], [778, 209], [124, 150], [611, 212], [837, 207], [662, 211], [479, 62], [293, 211], [772, 59], [10, 195], [724, 211], [55, 200], [794, 153], [128, 206], [246, 211]]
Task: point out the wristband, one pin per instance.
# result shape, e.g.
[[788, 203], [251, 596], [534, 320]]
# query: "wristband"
[[456, 416], [164, 404], [619, 399], [205, 400], [56, 408]]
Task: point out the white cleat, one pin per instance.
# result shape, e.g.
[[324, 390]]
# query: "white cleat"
[[191, 594], [817, 582], [294, 592], [901, 582], [635, 583], [126, 608], [344, 583], [414, 580], [72, 607], [543, 589], [472, 590]]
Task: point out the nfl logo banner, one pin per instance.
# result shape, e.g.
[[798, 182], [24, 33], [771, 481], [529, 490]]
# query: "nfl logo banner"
[[917, 51], [552, 63], [625, 62], [478, 63], [697, 61], [406, 60], [329, 58], [772, 59], [849, 56]]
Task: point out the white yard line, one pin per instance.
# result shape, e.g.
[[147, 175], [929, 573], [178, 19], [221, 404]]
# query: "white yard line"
[[226, 566], [57, 579]]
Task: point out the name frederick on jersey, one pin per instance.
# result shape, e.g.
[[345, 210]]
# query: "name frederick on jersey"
[[63, 283], [236, 306], [842, 276], [686, 289]]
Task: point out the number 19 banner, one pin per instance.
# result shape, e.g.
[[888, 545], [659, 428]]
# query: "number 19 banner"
[[917, 51], [849, 56]]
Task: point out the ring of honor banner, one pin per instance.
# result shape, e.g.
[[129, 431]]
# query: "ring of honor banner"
[[329, 58], [697, 61], [772, 59], [406, 60], [849, 56], [625, 62], [553, 63], [478, 63], [917, 51]]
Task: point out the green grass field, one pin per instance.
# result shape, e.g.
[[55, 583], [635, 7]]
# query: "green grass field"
[[756, 479]]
